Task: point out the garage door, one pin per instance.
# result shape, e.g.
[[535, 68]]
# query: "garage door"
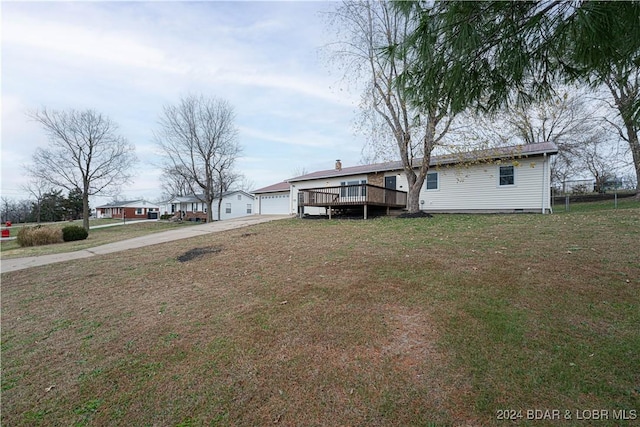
[[275, 204]]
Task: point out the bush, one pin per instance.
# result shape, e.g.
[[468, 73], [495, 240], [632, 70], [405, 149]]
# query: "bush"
[[36, 236], [74, 232]]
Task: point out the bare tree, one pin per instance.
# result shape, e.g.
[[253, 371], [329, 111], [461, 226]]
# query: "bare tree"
[[174, 183], [601, 161], [14, 211], [624, 86], [568, 119], [372, 34], [85, 153], [200, 143], [299, 171], [7, 208], [38, 188]]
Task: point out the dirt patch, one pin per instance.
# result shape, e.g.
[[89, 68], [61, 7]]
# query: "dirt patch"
[[192, 254]]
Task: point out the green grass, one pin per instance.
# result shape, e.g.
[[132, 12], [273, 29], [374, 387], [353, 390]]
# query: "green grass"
[[442, 321], [98, 236], [622, 203]]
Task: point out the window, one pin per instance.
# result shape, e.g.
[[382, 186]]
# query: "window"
[[507, 175], [248, 208], [353, 191], [356, 190], [431, 182], [139, 211], [228, 208], [239, 196]]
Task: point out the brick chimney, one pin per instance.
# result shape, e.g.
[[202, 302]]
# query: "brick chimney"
[[338, 165]]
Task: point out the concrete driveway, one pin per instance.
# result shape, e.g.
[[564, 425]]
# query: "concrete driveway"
[[138, 242]]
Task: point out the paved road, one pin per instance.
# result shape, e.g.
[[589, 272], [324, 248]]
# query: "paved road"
[[138, 242]]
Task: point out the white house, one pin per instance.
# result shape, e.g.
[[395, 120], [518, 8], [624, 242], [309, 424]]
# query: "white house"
[[508, 179], [234, 204], [273, 200]]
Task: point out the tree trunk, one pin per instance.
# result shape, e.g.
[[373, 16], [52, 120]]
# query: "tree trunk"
[[413, 196], [634, 144], [209, 208], [85, 211], [413, 200]]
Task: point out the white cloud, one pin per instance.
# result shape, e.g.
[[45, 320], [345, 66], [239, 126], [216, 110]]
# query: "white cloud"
[[129, 59]]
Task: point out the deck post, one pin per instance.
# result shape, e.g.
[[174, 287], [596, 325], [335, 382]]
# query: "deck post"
[[365, 211], [329, 208]]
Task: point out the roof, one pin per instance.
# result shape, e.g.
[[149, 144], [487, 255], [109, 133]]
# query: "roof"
[[128, 204], [281, 186], [516, 151], [198, 198]]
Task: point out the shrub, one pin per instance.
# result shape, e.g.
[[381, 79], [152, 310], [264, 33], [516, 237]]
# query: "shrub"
[[74, 232], [36, 236]]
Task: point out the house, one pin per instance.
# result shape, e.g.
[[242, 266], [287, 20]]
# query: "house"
[[234, 204], [507, 179], [273, 200], [133, 209]]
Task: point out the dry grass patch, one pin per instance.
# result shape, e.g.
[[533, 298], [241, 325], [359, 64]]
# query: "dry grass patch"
[[384, 322]]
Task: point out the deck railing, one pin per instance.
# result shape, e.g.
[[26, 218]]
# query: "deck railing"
[[352, 195]]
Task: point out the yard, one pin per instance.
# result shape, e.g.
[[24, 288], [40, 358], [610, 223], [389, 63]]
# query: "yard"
[[445, 321], [98, 236]]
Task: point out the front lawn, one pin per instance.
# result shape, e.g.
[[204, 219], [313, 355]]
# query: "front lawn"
[[445, 321], [97, 237]]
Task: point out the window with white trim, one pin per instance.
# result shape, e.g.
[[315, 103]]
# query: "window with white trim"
[[228, 208], [248, 208], [431, 181], [507, 175]]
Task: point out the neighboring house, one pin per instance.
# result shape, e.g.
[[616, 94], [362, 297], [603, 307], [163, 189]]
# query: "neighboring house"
[[134, 209], [273, 200], [508, 179], [234, 204]]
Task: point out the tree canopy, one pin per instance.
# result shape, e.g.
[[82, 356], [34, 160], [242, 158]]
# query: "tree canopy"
[[488, 55], [492, 49]]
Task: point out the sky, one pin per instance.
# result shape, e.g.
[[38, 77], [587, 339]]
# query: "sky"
[[127, 60]]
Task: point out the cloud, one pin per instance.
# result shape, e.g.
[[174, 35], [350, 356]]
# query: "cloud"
[[127, 60]]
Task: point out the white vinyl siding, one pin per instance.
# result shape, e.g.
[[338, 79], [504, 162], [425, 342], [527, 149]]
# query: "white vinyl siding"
[[477, 188], [234, 205]]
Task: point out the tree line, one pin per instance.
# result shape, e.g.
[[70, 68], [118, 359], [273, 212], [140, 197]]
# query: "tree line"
[[50, 207]]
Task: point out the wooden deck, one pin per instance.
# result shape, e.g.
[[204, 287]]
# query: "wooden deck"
[[352, 195]]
